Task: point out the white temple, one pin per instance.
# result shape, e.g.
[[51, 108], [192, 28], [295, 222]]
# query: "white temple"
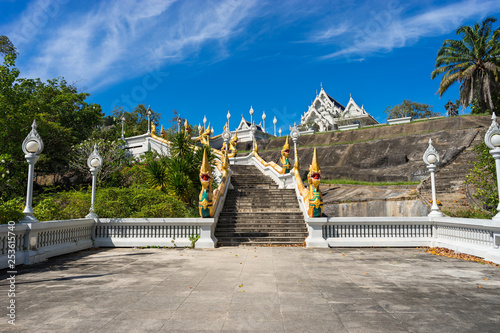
[[245, 132], [326, 114]]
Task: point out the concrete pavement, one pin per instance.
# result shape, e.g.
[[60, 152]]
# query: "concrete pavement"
[[254, 289]]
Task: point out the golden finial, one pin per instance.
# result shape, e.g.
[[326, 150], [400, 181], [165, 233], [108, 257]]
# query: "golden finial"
[[205, 167], [287, 145], [314, 166]]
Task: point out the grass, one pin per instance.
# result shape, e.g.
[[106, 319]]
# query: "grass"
[[470, 214], [357, 182]]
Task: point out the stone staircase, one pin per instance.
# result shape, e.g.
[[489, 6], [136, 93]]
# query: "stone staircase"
[[257, 212], [451, 189]]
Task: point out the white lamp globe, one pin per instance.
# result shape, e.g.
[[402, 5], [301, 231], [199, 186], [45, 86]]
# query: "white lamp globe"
[[32, 146], [431, 158], [495, 140], [95, 162]]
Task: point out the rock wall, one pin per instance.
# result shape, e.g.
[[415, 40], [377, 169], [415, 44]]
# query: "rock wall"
[[382, 153]]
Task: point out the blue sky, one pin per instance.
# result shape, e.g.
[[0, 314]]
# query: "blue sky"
[[208, 57]]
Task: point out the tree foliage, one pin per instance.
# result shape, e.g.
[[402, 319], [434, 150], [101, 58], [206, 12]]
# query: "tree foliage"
[[62, 115], [177, 173], [483, 177], [473, 61], [410, 109], [136, 121], [113, 155]]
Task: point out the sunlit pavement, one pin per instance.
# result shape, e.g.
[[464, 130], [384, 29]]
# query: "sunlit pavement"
[[254, 289]]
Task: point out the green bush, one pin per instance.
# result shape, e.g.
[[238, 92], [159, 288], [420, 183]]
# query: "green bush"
[[110, 202], [11, 210], [484, 177], [470, 214]]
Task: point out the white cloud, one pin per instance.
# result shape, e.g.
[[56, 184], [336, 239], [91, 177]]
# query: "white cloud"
[[387, 29], [117, 39]]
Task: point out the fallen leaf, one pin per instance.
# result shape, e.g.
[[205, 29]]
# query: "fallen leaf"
[[485, 279], [241, 285], [479, 286], [297, 280]]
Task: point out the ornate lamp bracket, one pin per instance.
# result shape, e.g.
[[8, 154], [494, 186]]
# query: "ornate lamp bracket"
[[428, 159], [33, 136], [489, 138]]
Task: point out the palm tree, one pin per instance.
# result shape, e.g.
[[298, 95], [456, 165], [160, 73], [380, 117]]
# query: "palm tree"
[[474, 61], [178, 172]]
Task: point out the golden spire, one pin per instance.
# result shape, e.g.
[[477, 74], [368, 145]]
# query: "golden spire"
[[205, 167], [296, 165], [209, 130], [314, 166], [287, 145]]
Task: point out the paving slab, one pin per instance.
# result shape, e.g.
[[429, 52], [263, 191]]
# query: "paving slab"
[[259, 289]]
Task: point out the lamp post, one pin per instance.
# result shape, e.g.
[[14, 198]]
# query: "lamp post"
[[275, 121], [431, 159], [251, 115], [279, 132], [179, 123], [94, 162], [149, 119], [226, 135], [228, 117], [32, 146], [204, 122], [123, 127], [253, 128], [492, 140], [264, 120]]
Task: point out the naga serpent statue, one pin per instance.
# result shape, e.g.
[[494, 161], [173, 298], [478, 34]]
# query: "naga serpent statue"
[[205, 136], [285, 152], [232, 145], [312, 195], [205, 203]]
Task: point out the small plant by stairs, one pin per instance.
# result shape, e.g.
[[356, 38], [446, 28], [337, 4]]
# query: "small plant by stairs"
[[257, 212]]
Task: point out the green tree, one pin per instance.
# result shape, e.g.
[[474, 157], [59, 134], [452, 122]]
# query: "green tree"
[[410, 109], [63, 117], [177, 173], [473, 61], [136, 121], [6, 46]]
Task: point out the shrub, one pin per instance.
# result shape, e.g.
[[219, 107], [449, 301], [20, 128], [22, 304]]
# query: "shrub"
[[11, 210], [484, 177], [110, 202]]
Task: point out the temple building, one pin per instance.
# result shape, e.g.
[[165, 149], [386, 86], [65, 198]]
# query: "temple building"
[[326, 114], [244, 130]]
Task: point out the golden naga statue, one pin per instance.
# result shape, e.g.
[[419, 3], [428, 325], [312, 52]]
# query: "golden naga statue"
[[205, 203], [232, 145], [163, 133], [205, 136], [312, 195], [285, 152], [187, 129]]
